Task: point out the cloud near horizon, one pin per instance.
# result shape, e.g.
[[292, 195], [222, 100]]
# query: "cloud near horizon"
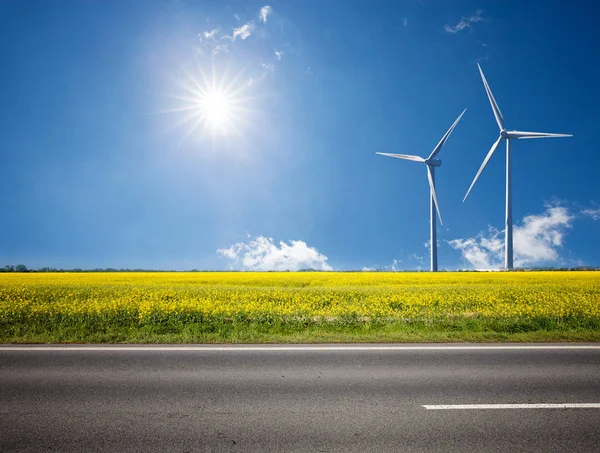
[[262, 254], [537, 240]]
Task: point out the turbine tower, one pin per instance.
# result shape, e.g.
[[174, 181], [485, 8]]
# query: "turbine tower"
[[431, 162], [508, 135]]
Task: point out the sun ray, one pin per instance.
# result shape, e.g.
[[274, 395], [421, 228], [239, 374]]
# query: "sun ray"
[[213, 100]]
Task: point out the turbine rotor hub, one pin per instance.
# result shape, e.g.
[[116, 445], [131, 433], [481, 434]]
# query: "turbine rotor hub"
[[434, 162]]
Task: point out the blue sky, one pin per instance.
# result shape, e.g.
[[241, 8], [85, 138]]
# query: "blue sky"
[[112, 153]]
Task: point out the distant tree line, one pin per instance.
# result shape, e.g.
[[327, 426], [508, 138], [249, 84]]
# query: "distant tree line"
[[22, 268], [17, 268]]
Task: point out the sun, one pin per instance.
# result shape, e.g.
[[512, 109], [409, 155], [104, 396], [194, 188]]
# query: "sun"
[[213, 104], [216, 109]]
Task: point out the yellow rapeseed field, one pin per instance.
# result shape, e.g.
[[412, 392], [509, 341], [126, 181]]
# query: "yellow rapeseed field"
[[155, 297]]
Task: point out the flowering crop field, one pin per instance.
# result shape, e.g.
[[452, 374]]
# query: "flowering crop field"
[[243, 306]]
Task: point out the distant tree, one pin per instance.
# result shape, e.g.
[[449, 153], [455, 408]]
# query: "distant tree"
[[8, 268], [46, 269], [21, 268]]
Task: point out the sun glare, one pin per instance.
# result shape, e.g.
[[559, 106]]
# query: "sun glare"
[[213, 104], [216, 109]]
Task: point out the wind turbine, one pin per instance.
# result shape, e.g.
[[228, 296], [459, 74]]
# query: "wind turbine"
[[431, 162], [508, 135]]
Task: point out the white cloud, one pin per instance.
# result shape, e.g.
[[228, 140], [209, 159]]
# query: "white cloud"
[[418, 258], [262, 254], [465, 22], [211, 34], [594, 213], [404, 21], [244, 31], [540, 237], [536, 240], [212, 40], [368, 269], [264, 12], [475, 254], [271, 45]]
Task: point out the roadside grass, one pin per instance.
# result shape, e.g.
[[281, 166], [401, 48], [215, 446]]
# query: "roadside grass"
[[346, 331]]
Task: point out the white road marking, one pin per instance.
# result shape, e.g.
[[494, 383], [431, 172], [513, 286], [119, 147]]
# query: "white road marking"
[[296, 348], [513, 406]]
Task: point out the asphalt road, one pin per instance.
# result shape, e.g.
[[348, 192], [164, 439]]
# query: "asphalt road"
[[280, 400]]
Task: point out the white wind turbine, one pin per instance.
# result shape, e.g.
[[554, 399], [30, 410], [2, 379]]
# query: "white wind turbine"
[[431, 162], [508, 135]]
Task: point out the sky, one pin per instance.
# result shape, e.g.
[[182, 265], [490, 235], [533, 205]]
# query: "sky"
[[242, 135]]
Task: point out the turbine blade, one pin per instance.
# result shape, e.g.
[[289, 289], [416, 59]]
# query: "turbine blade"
[[520, 135], [438, 148], [485, 161], [404, 156], [432, 187], [494, 104]]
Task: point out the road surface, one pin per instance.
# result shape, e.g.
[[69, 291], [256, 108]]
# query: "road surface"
[[373, 398]]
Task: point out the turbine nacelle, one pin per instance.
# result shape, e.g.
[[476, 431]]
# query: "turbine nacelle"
[[434, 162]]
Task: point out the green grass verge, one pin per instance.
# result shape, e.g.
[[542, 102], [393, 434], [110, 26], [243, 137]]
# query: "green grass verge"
[[93, 330]]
